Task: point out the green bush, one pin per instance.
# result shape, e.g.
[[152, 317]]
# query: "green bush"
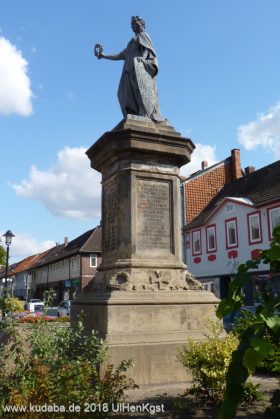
[[46, 364], [243, 323], [251, 393], [271, 363], [10, 304], [208, 361]]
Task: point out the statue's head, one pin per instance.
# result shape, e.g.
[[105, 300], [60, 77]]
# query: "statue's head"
[[137, 24]]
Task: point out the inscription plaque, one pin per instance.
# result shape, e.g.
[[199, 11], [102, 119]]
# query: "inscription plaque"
[[110, 215], [153, 215]]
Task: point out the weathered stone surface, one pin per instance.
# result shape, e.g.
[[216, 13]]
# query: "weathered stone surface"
[[145, 279], [148, 327], [139, 161], [143, 141], [143, 300]]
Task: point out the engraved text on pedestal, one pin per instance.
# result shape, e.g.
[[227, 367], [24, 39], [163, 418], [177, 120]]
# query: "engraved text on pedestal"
[[153, 215]]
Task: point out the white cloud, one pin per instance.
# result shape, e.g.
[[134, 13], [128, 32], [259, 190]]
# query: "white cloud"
[[15, 90], [68, 189], [202, 152], [25, 245], [263, 132]]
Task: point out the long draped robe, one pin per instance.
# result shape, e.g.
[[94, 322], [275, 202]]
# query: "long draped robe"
[[137, 92]]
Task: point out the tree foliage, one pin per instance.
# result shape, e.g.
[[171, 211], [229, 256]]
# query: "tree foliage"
[[2, 254], [253, 346]]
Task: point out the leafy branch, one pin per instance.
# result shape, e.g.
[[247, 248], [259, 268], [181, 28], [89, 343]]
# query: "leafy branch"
[[253, 346]]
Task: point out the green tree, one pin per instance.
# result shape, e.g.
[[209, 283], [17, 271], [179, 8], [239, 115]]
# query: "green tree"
[[2, 254], [253, 345]]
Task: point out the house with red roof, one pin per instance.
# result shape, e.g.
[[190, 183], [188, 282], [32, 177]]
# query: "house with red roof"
[[66, 268], [233, 227]]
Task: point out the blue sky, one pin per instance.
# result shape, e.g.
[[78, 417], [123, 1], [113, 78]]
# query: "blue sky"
[[218, 84]]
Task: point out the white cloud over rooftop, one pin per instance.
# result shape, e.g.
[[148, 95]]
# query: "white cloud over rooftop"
[[202, 152], [263, 132], [70, 188], [15, 85], [25, 245]]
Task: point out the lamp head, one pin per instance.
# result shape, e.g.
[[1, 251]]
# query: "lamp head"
[[8, 237]]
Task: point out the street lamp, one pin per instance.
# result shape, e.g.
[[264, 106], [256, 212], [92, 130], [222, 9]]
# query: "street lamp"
[[8, 240]]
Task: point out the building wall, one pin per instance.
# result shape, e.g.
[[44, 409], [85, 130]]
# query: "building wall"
[[220, 262], [58, 271], [66, 276], [88, 272], [20, 286]]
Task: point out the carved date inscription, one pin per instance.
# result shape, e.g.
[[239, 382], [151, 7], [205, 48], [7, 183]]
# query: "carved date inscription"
[[153, 215], [110, 215]]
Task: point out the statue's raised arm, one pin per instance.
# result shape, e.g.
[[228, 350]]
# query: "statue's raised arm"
[[98, 52], [137, 91]]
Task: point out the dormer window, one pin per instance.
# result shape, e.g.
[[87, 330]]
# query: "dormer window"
[[229, 207]]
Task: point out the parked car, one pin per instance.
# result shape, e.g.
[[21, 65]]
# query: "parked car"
[[35, 305], [64, 308], [50, 311]]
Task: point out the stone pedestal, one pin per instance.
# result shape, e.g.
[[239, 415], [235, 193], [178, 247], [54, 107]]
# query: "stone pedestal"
[[143, 300]]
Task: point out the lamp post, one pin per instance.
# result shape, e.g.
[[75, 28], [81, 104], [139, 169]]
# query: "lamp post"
[[8, 240]]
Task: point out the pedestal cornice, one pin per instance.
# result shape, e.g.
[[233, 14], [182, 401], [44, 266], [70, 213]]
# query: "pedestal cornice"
[[147, 141]]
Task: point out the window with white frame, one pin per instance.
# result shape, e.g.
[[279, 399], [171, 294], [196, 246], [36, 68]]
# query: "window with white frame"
[[78, 260], [196, 241], [274, 219], [254, 226], [93, 260], [211, 238], [231, 233]]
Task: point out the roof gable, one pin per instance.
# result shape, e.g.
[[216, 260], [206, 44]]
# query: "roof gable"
[[87, 242], [260, 187]]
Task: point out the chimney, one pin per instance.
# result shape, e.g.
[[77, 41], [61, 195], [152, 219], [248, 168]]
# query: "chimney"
[[235, 163], [204, 165], [249, 169], [66, 240]]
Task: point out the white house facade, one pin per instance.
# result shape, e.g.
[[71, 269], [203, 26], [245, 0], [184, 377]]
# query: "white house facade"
[[232, 229]]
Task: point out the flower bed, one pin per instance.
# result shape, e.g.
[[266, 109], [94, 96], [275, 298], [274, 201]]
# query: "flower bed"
[[39, 318]]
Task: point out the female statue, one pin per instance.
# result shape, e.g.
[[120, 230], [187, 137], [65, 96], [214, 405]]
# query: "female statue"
[[137, 91]]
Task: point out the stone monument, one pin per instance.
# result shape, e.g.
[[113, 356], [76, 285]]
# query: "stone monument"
[[143, 300]]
